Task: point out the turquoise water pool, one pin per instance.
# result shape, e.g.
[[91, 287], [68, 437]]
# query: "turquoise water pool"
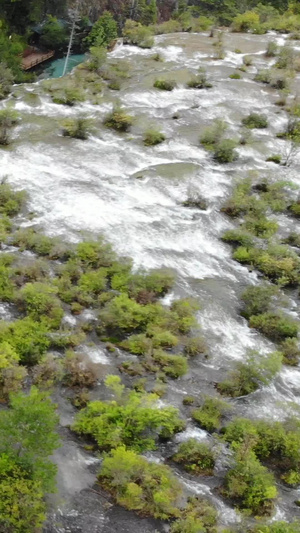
[[56, 67]]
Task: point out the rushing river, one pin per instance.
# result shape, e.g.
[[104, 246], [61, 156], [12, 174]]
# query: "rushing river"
[[112, 184]]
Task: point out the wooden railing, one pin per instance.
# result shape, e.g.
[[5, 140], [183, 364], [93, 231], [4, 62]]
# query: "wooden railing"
[[35, 58]]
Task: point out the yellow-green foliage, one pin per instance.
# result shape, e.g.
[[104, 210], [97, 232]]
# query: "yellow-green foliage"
[[196, 457], [138, 485], [210, 414], [132, 419], [249, 485]]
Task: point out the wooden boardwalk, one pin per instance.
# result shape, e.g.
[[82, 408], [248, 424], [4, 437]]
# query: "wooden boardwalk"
[[35, 58]]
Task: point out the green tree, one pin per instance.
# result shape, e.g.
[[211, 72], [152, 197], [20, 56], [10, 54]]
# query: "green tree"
[[132, 419], [54, 34], [22, 508], [104, 31], [27, 435]]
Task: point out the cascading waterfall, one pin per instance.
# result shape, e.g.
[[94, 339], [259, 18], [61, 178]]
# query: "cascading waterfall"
[[132, 194]]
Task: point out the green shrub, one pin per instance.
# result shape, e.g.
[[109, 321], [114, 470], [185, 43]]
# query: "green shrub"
[[153, 137], [118, 120], [292, 131], [246, 21], [210, 415], [199, 516], [104, 31], [68, 96], [247, 61], [195, 346], [195, 201], [174, 366], [132, 419], [29, 239], [260, 227], [77, 128], [183, 314], [293, 239], [28, 338], [123, 314], [257, 300], [263, 76], [196, 457], [137, 34], [224, 151], [235, 76], [251, 374], [22, 506], [39, 301], [277, 262], [54, 34], [276, 158], [8, 119], [6, 80], [249, 485], [276, 327], [11, 202], [277, 527], [238, 237], [136, 484], [276, 443], [272, 49], [213, 134], [286, 58], [92, 254], [295, 209], [290, 351], [164, 85], [255, 120], [199, 81]]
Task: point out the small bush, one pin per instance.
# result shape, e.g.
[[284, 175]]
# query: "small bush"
[[68, 96], [257, 300], [195, 201], [153, 137], [199, 516], [255, 120], [195, 346], [77, 128], [132, 419], [77, 373], [272, 49], [225, 151], [137, 34], [39, 301], [199, 82], [290, 351], [249, 375], [196, 457], [174, 366], [235, 76], [8, 119], [213, 134], [276, 158], [118, 120], [210, 415], [246, 21], [276, 327], [250, 486], [28, 338], [136, 484], [238, 237], [247, 61], [164, 85]]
